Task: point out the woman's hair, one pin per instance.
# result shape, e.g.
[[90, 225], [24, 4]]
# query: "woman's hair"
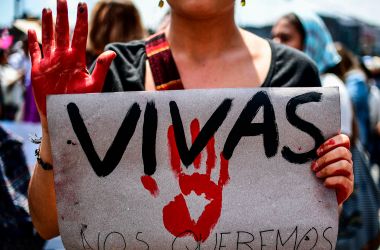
[[349, 61], [295, 21], [113, 21]]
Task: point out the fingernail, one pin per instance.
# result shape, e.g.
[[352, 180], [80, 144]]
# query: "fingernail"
[[44, 11], [81, 8], [314, 166], [331, 142], [319, 151], [319, 174]]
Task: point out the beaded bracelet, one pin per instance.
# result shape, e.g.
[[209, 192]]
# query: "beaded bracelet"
[[44, 165]]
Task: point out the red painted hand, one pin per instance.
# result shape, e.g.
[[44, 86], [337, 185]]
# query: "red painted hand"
[[62, 69], [176, 215]]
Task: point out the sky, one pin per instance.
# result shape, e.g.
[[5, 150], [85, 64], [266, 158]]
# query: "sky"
[[256, 12], [151, 13]]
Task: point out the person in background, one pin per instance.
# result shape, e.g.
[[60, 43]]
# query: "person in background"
[[350, 72], [10, 82], [371, 67], [20, 61], [363, 206], [112, 21], [307, 32], [16, 228], [359, 219]]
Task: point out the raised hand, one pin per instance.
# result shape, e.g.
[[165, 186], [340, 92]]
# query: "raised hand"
[[176, 215], [62, 68], [335, 166]]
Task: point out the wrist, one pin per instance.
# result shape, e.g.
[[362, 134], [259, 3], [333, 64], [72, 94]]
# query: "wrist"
[[45, 148], [44, 124], [43, 164]]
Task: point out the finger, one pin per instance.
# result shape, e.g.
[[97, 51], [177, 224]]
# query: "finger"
[[62, 26], [337, 154], [47, 32], [336, 141], [224, 175], [175, 160], [211, 156], [34, 48], [342, 185], [339, 168], [100, 71], [195, 128], [80, 32]]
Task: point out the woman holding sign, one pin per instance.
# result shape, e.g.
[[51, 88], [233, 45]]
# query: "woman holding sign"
[[207, 50]]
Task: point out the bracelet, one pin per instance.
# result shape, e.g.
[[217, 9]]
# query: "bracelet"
[[44, 165]]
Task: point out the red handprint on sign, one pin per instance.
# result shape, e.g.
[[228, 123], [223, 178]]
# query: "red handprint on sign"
[[176, 215]]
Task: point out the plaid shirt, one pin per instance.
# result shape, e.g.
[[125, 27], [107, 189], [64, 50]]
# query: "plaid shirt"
[[14, 180]]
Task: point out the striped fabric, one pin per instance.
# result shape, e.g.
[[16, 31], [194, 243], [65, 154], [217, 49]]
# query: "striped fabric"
[[161, 61]]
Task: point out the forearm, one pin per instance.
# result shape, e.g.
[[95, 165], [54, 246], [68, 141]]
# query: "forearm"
[[42, 203]]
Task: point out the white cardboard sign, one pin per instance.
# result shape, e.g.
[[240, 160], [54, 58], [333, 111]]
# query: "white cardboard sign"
[[194, 169]]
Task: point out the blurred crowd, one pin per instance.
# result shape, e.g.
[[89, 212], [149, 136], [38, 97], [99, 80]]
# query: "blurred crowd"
[[357, 76]]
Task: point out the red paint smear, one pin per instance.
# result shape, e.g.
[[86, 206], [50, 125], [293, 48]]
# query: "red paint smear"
[[341, 172], [211, 156], [175, 160], [330, 142], [224, 176], [150, 184], [326, 145], [341, 192], [195, 128]]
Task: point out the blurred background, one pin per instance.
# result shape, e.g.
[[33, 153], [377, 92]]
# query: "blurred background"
[[355, 24]]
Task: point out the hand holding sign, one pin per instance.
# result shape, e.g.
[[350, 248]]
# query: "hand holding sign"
[[335, 164], [62, 69]]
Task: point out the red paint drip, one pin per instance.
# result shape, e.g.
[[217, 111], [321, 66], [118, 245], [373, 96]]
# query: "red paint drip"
[[150, 184], [224, 174], [211, 156], [175, 160], [195, 128]]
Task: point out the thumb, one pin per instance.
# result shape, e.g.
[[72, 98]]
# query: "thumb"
[[101, 68]]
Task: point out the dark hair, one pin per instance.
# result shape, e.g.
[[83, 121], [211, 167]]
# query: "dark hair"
[[114, 21], [296, 22], [349, 61]]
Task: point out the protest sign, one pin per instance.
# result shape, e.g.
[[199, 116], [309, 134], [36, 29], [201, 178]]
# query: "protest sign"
[[194, 169]]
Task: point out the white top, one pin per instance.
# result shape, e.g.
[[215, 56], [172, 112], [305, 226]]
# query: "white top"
[[346, 114]]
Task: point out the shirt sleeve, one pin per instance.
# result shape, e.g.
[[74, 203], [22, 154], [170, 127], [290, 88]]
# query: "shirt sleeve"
[[291, 68]]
